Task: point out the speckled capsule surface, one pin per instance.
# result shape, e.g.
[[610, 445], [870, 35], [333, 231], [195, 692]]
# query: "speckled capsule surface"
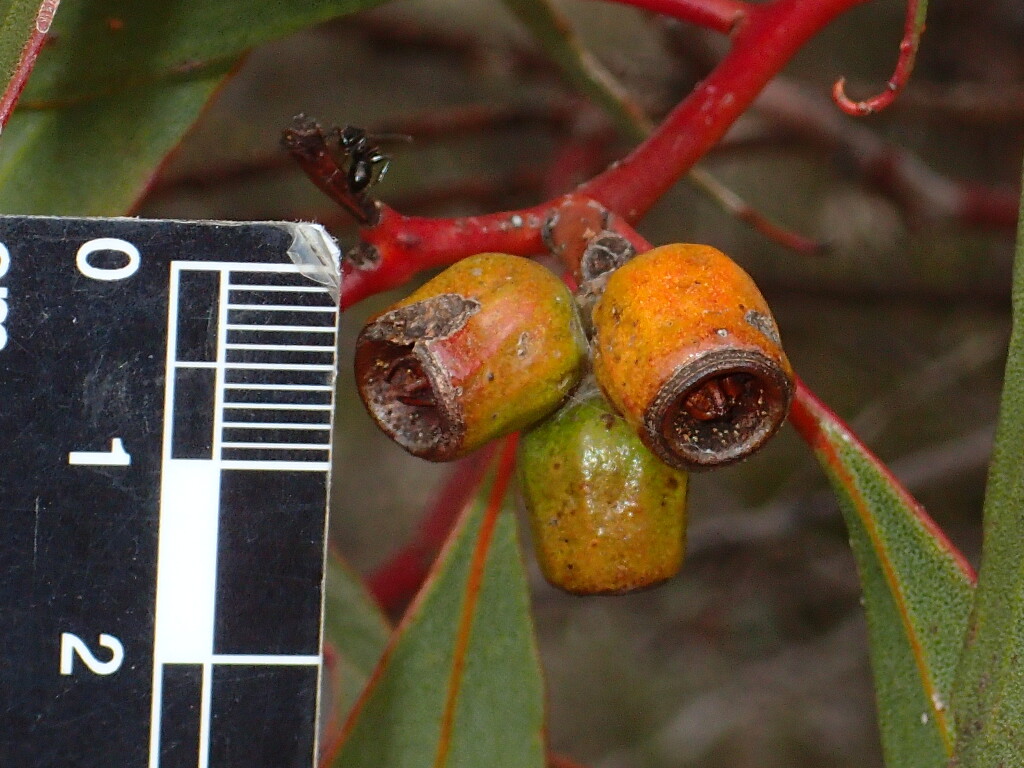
[[607, 516], [487, 347], [686, 349]]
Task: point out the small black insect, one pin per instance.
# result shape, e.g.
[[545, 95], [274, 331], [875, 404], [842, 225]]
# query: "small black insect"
[[367, 164]]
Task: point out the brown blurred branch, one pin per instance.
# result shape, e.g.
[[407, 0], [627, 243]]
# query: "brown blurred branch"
[[923, 193]]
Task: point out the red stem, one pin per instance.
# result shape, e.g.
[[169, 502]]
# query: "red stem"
[[762, 46], [400, 246], [27, 62], [397, 246], [904, 66], [718, 15]]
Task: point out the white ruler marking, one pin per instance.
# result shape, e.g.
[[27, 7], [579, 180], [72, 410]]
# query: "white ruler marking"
[[190, 491]]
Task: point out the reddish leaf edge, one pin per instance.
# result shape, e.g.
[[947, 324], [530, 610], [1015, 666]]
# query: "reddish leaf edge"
[[27, 61], [811, 417], [505, 466], [809, 414]]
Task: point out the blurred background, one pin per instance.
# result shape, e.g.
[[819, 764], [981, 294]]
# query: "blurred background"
[[756, 654]]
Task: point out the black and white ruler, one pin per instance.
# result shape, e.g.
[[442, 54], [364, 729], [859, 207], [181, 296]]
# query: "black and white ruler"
[[166, 396]]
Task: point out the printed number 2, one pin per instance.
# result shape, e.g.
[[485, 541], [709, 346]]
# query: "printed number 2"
[[72, 644]]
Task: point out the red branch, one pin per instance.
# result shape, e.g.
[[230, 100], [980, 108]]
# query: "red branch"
[[27, 62], [762, 46], [397, 246], [913, 27], [718, 15]]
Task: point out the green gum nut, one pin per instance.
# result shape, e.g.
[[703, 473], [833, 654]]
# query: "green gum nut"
[[490, 346], [607, 515]]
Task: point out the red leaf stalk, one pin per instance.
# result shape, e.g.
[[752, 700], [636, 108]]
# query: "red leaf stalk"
[[913, 27]]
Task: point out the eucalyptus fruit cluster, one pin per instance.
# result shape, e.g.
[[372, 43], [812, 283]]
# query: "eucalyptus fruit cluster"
[[662, 363]]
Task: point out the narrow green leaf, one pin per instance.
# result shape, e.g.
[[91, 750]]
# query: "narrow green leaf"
[[917, 591], [94, 158], [119, 88], [989, 694], [17, 21], [460, 684], [585, 73], [355, 628]]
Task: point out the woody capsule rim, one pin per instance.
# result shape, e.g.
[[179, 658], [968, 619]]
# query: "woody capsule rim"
[[402, 386], [717, 409]]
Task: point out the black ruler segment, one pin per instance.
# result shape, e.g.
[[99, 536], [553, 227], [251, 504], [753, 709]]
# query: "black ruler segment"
[[167, 397]]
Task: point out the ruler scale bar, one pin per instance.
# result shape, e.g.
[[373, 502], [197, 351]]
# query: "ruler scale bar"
[[193, 639], [277, 308], [166, 537], [282, 348], [190, 633]]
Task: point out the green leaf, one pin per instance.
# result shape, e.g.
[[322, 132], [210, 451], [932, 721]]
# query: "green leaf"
[[118, 89], [355, 628], [18, 20], [989, 693], [583, 71], [460, 684], [917, 591]]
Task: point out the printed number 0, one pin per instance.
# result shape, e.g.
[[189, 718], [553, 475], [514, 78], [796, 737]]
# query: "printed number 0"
[[71, 644], [108, 244]]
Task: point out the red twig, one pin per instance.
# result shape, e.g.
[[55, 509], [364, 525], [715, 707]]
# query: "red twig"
[[397, 246], [561, 761], [306, 142], [757, 220], [400, 246], [921, 192], [718, 15], [394, 583], [27, 62], [913, 27], [761, 47]]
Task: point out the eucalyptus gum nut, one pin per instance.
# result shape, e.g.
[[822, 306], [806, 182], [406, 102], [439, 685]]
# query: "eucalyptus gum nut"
[[489, 346], [686, 349], [607, 516]]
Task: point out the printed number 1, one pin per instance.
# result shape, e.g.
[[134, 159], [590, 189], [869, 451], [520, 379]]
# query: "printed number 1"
[[72, 644]]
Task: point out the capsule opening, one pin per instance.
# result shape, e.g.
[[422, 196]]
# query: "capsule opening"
[[406, 392], [718, 409]]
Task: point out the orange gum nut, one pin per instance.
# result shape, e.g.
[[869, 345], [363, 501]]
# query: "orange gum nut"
[[607, 516], [686, 349], [489, 346]]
